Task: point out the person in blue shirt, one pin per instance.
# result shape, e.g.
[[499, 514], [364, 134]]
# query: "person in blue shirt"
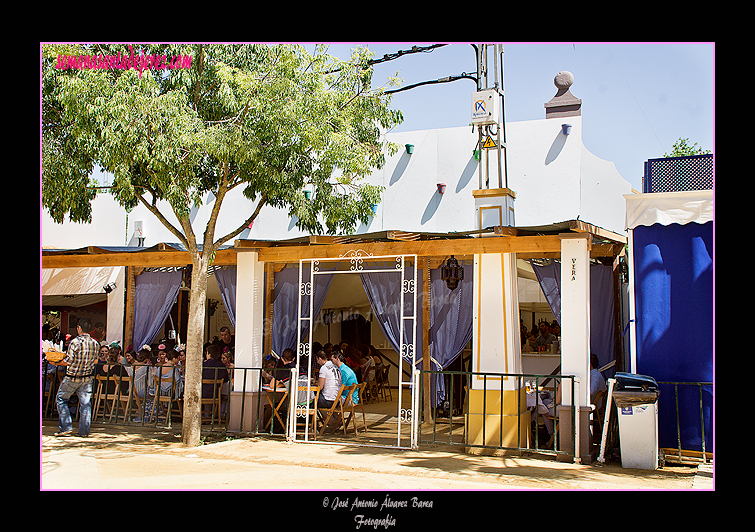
[[348, 377]]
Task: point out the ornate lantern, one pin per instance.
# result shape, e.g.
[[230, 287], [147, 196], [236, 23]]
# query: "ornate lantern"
[[452, 273]]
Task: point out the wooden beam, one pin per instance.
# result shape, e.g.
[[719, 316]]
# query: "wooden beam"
[[464, 246], [144, 259]]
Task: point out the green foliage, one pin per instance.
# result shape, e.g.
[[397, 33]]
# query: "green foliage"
[[682, 148], [273, 120]]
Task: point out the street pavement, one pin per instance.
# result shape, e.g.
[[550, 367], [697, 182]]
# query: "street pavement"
[[149, 458]]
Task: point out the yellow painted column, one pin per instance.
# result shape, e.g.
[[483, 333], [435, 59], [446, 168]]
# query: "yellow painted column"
[[497, 414]]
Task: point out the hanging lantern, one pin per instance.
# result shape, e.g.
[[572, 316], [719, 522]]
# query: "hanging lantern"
[[452, 273]]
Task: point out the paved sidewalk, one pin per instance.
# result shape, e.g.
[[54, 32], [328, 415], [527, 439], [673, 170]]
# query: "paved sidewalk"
[[126, 458]]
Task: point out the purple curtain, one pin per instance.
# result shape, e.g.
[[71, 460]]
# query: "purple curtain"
[[451, 317], [227, 283], [153, 298], [450, 311], [286, 305], [601, 304]]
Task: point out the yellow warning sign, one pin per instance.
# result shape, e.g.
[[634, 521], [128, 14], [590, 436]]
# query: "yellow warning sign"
[[489, 143]]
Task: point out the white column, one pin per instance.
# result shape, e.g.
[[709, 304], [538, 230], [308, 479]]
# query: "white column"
[[250, 314], [575, 315], [115, 299], [495, 337]]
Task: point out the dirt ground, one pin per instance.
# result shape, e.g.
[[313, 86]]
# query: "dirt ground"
[[139, 458]]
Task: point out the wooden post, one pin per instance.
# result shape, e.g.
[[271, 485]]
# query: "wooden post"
[[425, 261], [270, 272]]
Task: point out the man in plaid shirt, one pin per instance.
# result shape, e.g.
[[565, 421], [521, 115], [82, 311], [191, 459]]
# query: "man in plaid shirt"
[[80, 368]]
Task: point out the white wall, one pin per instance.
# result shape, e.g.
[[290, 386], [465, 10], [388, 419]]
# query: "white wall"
[[554, 176]]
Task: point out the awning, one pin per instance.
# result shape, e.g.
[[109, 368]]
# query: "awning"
[[668, 208]]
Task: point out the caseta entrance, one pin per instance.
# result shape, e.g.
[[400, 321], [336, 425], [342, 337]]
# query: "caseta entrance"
[[351, 263]]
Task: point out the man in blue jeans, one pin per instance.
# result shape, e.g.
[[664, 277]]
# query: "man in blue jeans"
[[80, 364]]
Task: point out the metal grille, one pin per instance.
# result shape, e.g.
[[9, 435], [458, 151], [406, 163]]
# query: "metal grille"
[[676, 174]]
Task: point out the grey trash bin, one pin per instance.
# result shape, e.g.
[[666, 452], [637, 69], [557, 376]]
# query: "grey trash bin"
[[636, 399]]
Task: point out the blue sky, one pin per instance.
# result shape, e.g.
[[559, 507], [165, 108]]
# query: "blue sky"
[[637, 98]]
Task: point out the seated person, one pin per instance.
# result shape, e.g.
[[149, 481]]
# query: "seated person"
[[213, 369], [348, 377], [546, 336], [329, 381], [282, 373], [597, 382]]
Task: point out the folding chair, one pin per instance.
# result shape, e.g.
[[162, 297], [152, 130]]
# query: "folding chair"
[[102, 397], [271, 400], [370, 388], [305, 412], [349, 403], [163, 396], [213, 402], [336, 408], [382, 382], [124, 402]]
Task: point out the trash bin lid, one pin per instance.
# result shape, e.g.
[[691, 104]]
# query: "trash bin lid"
[[629, 381], [635, 397]]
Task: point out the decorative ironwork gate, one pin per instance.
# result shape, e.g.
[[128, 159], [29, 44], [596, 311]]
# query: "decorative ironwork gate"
[[408, 314]]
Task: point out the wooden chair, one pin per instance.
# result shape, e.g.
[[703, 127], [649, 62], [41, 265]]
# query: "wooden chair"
[[168, 398], [304, 411], [382, 382], [336, 408], [598, 408], [124, 402], [213, 402], [102, 397], [353, 407], [276, 406], [51, 391], [371, 387]]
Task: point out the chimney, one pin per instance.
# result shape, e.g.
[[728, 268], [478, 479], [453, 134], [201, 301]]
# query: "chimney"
[[564, 103]]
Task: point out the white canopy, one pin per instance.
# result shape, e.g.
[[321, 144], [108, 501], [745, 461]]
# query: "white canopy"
[[667, 208]]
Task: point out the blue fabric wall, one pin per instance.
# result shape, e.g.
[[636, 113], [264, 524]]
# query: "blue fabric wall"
[[673, 269]]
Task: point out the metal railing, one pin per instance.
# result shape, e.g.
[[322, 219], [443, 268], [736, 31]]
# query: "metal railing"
[[142, 402], [451, 417], [681, 455]]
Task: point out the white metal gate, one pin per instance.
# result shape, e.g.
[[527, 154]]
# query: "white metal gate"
[[408, 312]]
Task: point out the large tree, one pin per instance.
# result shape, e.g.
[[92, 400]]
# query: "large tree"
[[272, 120]]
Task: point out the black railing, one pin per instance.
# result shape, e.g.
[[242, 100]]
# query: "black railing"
[[451, 416]]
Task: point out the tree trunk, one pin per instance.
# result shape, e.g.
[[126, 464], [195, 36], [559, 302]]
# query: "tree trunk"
[[192, 414]]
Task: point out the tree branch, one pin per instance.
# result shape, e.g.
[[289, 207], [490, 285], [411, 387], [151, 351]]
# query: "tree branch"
[[226, 238], [151, 207]]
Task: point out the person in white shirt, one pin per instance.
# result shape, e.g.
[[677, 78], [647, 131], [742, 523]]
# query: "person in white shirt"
[[597, 382], [329, 381]]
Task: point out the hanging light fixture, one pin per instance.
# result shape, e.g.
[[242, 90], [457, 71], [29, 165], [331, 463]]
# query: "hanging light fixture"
[[452, 273]]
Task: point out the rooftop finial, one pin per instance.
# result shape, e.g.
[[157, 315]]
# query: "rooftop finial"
[[563, 103]]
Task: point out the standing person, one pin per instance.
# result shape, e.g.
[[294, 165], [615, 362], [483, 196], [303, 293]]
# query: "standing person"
[[80, 362]]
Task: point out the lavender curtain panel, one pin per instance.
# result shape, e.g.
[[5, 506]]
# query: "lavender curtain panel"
[[383, 290], [153, 298], [451, 317], [286, 305], [549, 277], [601, 304], [227, 283]]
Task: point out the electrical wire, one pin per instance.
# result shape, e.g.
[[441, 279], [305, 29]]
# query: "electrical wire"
[[633, 96]]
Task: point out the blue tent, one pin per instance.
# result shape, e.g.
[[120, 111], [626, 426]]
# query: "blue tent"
[[671, 283]]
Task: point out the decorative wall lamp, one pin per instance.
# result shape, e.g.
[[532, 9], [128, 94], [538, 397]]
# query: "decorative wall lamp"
[[409, 148], [452, 273], [441, 188], [109, 287], [566, 129]]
